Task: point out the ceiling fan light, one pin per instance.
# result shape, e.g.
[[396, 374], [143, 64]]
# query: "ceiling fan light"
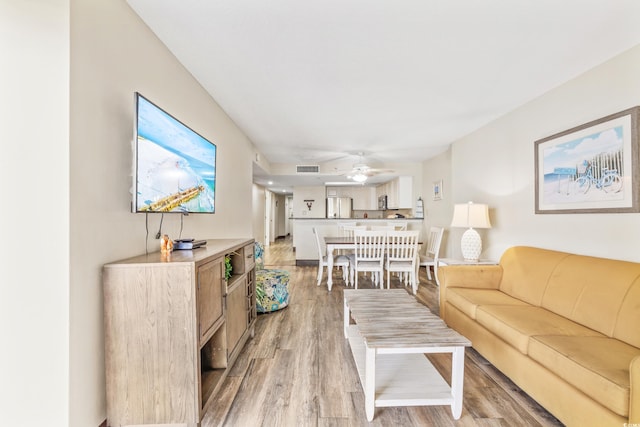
[[359, 177]]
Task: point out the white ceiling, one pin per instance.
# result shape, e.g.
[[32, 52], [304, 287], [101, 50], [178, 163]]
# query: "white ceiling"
[[313, 81]]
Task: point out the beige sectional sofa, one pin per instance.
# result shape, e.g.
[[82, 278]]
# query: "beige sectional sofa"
[[565, 328]]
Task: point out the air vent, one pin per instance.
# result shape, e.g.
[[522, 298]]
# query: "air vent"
[[307, 169]]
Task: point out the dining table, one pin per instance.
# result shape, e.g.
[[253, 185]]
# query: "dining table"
[[334, 243]]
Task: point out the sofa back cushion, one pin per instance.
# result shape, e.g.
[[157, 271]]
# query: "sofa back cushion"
[[599, 293], [590, 290], [526, 272]]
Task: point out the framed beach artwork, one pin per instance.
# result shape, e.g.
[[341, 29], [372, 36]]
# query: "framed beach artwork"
[[437, 190], [592, 168]]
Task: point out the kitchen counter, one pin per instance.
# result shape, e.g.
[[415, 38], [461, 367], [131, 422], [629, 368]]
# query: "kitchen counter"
[[304, 240]]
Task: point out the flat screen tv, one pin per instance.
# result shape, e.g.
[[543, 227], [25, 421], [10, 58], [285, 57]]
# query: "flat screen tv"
[[174, 167]]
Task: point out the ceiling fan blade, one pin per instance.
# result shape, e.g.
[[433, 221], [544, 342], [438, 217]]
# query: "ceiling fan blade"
[[381, 171], [362, 168]]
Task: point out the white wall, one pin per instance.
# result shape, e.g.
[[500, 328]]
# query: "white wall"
[[438, 212], [495, 165], [318, 207], [113, 54], [34, 176], [258, 212]]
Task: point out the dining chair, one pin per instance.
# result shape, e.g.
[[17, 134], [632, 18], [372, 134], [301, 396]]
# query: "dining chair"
[[430, 259], [338, 261], [343, 224], [402, 256], [344, 228], [386, 228], [348, 231], [370, 247]]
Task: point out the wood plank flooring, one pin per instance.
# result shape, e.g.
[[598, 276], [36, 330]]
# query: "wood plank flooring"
[[298, 369]]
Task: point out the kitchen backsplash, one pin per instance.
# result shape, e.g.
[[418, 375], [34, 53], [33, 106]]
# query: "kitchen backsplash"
[[370, 214]]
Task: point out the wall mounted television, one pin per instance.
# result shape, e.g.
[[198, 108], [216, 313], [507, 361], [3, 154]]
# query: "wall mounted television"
[[174, 167]]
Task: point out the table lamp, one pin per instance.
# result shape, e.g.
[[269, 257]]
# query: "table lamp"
[[471, 215]]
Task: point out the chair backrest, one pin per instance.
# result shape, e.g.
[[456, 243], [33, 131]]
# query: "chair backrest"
[[433, 244], [320, 252], [402, 245], [382, 227], [351, 229], [370, 245], [343, 224]]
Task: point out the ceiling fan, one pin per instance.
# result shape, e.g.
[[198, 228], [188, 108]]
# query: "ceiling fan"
[[361, 171]]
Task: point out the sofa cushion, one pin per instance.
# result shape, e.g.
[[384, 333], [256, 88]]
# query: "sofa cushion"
[[526, 272], [581, 286], [598, 366], [468, 300], [515, 324]]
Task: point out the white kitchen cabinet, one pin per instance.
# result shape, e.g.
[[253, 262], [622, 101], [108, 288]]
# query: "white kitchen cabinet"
[[400, 193], [364, 198], [405, 192]]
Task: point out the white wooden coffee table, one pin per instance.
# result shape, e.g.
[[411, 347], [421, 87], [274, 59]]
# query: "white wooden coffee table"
[[391, 334]]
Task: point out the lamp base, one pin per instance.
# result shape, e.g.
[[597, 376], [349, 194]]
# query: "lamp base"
[[471, 245]]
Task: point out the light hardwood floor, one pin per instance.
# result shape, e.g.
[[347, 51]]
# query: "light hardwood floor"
[[298, 369]]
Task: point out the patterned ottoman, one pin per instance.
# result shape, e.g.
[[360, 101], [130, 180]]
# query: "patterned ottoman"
[[272, 285]]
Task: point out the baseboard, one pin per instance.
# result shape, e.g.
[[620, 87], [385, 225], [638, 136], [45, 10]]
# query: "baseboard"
[[104, 423], [306, 262]]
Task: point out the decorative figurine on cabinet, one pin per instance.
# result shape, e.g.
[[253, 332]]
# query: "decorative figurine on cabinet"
[[166, 245]]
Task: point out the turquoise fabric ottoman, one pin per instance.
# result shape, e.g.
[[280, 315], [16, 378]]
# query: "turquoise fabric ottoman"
[[272, 285]]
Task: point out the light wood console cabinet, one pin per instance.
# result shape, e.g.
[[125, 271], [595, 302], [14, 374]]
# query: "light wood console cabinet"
[[173, 329]]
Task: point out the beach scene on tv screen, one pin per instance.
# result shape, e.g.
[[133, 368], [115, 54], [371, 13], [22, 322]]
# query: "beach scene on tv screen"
[[175, 165]]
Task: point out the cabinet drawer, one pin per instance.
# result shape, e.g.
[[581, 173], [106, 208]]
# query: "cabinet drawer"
[[249, 257]]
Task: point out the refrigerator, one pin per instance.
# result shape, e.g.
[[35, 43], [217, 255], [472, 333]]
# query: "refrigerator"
[[339, 207]]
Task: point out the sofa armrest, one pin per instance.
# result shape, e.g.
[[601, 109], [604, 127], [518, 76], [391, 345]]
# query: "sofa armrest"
[[467, 276], [634, 392]]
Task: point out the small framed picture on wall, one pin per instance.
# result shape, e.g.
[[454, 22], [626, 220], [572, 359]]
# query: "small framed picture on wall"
[[437, 190]]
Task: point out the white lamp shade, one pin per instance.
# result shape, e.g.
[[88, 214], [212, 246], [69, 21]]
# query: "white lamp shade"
[[471, 215]]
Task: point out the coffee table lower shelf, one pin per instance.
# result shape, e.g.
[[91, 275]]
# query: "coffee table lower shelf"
[[401, 379]]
